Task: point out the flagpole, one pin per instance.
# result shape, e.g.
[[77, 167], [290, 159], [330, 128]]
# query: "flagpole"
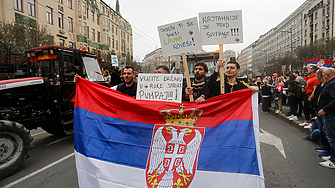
[[187, 75], [221, 69]]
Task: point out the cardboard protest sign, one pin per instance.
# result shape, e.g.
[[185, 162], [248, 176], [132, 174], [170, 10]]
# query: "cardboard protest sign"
[[160, 87], [122, 63], [115, 61], [221, 27], [180, 37]]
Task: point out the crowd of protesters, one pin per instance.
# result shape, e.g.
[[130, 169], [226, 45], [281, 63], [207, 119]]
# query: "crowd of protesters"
[[311, 97]]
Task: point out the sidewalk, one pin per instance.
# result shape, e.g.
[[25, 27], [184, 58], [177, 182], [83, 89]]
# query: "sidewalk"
[[282, 116]]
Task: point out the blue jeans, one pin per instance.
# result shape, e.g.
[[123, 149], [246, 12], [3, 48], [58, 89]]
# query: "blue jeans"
[[329, 123], [315, 133], [322, 128]]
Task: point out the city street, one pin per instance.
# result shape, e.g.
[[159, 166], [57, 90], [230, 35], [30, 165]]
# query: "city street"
[[288, 161]]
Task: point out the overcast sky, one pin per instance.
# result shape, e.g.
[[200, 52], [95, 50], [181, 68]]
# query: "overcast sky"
[[259, 16]]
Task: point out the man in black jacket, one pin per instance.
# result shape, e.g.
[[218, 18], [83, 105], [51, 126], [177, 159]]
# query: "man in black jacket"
[[129, 86], [231, 83], [327, 114], [199, 88]]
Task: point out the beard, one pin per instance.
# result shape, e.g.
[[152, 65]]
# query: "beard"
[[198, 76], [129, 81]]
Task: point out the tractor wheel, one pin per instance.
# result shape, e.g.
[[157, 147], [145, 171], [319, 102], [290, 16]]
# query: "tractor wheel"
[[15, 146]]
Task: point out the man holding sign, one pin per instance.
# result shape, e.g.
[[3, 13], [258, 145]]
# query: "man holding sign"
[[199, 88], [129, 85], [231, 83]]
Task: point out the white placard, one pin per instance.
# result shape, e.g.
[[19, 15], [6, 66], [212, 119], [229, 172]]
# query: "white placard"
[[122, 64], [180, 37], [160, 87], [221, 27], [115, 61]]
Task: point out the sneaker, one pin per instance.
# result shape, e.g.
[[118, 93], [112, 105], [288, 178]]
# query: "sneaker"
[[277, 112], [325, 153], [303, 124], [327, 164], [290, 116], [320, 149], [325, 158], [294, 118], [309, 126]]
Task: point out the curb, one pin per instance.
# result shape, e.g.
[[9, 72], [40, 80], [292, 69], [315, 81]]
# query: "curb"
[[292, 123]]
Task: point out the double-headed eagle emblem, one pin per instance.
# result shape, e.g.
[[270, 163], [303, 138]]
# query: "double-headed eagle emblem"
[[174, 150]]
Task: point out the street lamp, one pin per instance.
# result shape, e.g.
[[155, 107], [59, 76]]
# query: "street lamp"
[[291, 47]]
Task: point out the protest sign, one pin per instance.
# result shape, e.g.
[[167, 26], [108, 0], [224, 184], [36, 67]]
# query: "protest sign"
[[160, 87], [180, 37], [115, 61], [122, 63], [221, 27]]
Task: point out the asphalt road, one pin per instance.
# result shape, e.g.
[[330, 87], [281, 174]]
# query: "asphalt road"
[[52, 163]]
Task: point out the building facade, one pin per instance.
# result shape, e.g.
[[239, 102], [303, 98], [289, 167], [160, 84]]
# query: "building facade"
[[76, 23], [311, 21], [155, 58]]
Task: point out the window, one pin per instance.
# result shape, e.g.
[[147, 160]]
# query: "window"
[[80, 27], [104, 38], [112, 28], [316, 37], [61, 42], [305, 42], [107, 38], [113, 43], [305, 32], [117, 45], [103, 9], [84, 8], [69, 4], [98, 37], [78, 6], [316, 26], [70, 24], [84, 27], [306, 22], [115, 30], [98, 19], [323, 24], [92, 16], [128, 38], [60, 20], [93, 34], [103, 21], [60, 1], [18, 5], [49, 15], [88, 32], [31, 7], [316, 15], [70, 44]]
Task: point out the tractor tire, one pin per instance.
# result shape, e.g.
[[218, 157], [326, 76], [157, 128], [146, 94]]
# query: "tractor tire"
[[15, 146]]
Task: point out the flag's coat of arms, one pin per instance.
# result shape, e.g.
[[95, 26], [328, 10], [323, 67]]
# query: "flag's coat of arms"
[[173, 156], [123, 142], [321, 63]]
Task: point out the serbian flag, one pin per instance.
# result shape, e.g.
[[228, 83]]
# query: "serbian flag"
[[321, 63], [123, 142]]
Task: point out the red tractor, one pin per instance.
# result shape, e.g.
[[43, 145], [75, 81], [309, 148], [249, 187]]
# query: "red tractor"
[[41, 95]]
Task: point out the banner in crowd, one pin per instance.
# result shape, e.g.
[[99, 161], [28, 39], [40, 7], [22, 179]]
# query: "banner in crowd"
[[123, 142], [221, 27], [122, 63], [115, 61], [159, 87], [180, 37], [321, 63]]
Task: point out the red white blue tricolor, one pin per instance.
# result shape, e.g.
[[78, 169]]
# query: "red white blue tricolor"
[[123, 142], [321, 63]]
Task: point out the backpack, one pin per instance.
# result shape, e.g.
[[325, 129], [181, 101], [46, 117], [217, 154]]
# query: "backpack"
[[298, 92]]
